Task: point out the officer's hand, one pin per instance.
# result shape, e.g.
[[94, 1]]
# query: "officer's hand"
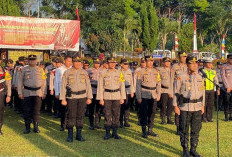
[[177, 110], [158, 99], [51, 92], [121, 101], [7, 99], [20, 96], [57, 96], [202, 109], [170, 96], [139, 101], [228, 90], [64, 103], [132, 95], [43, 96], [101, 102], [218, 92], [89, 101]]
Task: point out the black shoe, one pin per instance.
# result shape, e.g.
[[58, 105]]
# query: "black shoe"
[[177, 131], [205, 120], [226, 118], [28, 129], [151, 133], [126, 124], [144, 132], [169, 120], [210, 120], [70, 135], [49, 113], [107, 136], [79, 136], [186, 152], [230, 117], [115, 134], [62, 129], [194, 153], [91, 127], [163, 120], [121, 124], [36, 127], [97, 126], [1, 129]]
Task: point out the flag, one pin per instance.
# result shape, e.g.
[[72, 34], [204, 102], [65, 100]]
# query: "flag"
[[223, 46], [78, 18], [176, 43], [195, 34]]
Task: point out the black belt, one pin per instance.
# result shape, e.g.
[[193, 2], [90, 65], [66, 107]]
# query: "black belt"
[[220, 82], [111, 91], [79, 92], [150, 88], [94, 85], [187, 100], [128, 86], [164, 87], [33, 89]]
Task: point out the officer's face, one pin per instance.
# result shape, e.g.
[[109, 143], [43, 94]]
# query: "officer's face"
[[54, 64], [149, 64], [219, 66], [229, 60], [105, 65], [96, 65], [26, 62], [167, 64], [183, 59], [77, 65], [143, 65], [112, 65], [9, 65], [86, 66], [32, 62], [200, 64], [59, 65], [208, 65], [68, 62], [125, 66], [193, 67]]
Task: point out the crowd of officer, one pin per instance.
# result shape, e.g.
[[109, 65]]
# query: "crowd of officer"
[[67, 87]]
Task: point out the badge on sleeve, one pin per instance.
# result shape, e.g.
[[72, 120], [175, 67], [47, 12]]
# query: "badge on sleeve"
[[122, 79], [7, 76]]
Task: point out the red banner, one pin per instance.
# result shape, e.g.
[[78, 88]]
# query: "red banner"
[[39, 33]]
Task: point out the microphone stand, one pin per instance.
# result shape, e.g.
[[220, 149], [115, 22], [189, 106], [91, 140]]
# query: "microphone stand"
[[217, 88]]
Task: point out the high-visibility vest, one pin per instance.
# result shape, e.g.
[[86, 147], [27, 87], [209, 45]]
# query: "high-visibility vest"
[[211, 74]]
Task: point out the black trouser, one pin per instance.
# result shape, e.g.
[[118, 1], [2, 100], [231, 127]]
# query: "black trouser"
[[62, 110], [75, 112], [49, 101], [147, 112], [209, 103], [91, 107], [56, 106], [192, 119], [31, 109], [125, 109], [228, 104], [18, 102], [2, 102], [112, 113], [166, 105]]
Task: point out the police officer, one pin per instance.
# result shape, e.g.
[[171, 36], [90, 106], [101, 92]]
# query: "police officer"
[[129, 86], [10, 69], [189, 102], [200, 63], [94, 76], [178, 69], [148, 90], [209, 90], [166, 99], [85, 64], [31, 87], [226, 78], [111, 93], [222, 93], [5, 89], [75, 92]]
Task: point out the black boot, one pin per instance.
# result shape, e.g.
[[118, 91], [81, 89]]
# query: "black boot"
[[230, 117], [177, 130], [62, 127], [28, 129], [91, 126], [115, 134], [121, 124], [169, 120], [151, 133], [193, 151], [126, 124], [36, 127], [98, 126], [79, 136], [163, 120], [144, 132], [1, 129], [107, 136], [70, 135], [226, 118], [186, 151]]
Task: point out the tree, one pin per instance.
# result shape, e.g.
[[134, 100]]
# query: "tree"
[[9, 8], [186, 38]]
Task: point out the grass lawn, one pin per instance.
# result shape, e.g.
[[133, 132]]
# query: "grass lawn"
[[52, 142]]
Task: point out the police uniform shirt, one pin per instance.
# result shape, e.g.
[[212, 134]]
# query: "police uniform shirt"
[[190, 86], [33, 77], [226, 73], [111, 80], [128, 81], [166, 75], [94, 76], [5, 81], [179, 68], [148, 78], [218, 71], [77, 80]]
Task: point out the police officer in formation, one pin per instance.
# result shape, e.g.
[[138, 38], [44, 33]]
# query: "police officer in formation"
[[75, 92], [31, 88], [189, 102], [220, 83]]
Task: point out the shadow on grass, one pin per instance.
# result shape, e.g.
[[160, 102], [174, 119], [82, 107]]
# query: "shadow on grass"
[[53, 142]]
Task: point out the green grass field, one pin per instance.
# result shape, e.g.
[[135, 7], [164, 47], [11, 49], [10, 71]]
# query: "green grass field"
[[52, 142]]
